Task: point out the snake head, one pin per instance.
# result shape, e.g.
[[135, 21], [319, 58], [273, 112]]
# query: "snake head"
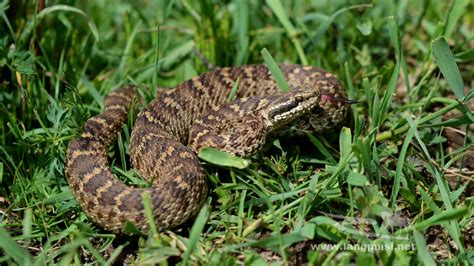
[[318, 107], [284, 108], [330, 112]]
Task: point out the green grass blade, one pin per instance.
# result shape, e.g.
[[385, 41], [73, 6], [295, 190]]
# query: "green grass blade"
[[146, 199], [60, 8], [154, 78], [4, 6], [327, 22], [461, 120], [401, 160], [196, 231], [422, 250], [1, 172], [242, 22], [280, 13], [240, 223], [27, 225], [128, 47], [452, 226], [235, 87], [457, 10], [121, 147], [177, 54], [99, 98], [275, 70], [394, 34], [465, 56], [441, 217], [11, 249], [392, 83], [321, 147]]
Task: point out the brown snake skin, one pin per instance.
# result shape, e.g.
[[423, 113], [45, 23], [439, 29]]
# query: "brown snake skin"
[[196, 113]]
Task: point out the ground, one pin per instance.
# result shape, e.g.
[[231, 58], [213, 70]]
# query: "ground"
[[395, 185]]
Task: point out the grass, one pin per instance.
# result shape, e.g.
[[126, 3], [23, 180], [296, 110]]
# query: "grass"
[[397, 188]]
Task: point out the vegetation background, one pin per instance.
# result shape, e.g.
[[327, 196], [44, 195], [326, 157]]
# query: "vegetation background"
[[402, 176]]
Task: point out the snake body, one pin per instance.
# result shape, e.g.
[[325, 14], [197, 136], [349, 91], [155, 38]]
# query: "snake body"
[[169, 132]]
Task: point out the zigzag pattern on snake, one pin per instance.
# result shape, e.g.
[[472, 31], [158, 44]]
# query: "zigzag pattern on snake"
[[168, 133]]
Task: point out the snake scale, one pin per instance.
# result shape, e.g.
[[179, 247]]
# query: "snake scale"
[[169, 132]]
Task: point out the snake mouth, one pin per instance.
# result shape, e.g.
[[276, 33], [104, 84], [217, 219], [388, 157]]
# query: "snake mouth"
[[335, 99]]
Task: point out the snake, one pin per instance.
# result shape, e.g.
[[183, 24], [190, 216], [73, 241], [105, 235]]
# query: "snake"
[[232, 109]]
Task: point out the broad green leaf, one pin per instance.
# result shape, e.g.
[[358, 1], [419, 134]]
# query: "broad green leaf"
[[357, 179], [446, 63], [221, 158], [345, 142], [365, 27]]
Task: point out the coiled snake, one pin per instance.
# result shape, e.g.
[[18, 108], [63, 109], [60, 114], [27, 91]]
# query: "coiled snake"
[[197, 113]]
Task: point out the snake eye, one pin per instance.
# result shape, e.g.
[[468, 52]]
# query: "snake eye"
[[282, 109]]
